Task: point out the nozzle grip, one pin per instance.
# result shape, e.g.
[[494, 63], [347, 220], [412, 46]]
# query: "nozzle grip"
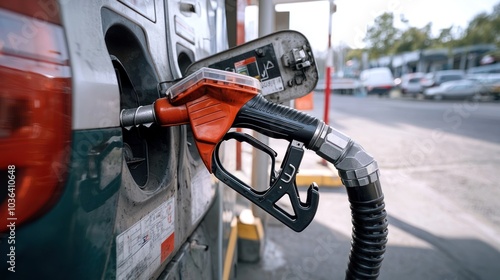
[[282, 185], [277, 121]]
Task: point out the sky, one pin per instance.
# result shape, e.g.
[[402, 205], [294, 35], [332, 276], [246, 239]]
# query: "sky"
[[350, 22]]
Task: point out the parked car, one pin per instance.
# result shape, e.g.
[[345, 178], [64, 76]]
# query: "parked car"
[[410, 83], [437, 78], [345, 85], [490, 83], [459, 89], [485, 69], [377, 80], [495, 90], [340, 84], [86, 198]]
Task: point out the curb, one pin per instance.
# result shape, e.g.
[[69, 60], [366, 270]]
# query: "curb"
[[325, 177], [250, 237]]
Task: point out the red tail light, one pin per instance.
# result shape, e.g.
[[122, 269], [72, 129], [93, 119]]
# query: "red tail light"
[[35, 109]]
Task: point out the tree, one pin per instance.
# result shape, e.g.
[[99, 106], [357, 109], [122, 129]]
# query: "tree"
[[382, 35], [446, 38], [355, 54], [383, 38], [413, 39], [483, 29], [480, 30]]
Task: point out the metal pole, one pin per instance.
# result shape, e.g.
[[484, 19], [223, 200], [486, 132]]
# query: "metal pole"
[[260, 163], [240, 39], [329, 63], [328, 70]]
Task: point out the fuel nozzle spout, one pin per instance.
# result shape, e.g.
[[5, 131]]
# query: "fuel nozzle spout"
[[142, 115]]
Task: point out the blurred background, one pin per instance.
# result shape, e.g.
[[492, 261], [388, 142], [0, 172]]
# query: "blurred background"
[[417, 84]]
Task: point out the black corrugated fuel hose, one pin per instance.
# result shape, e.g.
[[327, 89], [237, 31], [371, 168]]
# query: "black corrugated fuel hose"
[[369, 232]]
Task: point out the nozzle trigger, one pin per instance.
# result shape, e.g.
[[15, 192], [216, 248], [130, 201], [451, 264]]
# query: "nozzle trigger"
[[281, 184]]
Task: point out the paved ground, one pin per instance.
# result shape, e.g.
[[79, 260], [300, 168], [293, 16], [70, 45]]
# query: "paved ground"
[[440, 165]]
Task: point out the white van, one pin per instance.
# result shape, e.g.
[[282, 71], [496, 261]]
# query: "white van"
[[377, 80]]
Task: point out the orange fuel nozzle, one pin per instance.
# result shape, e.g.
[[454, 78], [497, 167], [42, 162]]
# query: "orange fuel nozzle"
[[208, 100], [210, 107]]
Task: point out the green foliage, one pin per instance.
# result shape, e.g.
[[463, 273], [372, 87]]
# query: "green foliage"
[[446, 38], [355, 54], [413, 39], [382, 35], [383, 38], [483, 29]]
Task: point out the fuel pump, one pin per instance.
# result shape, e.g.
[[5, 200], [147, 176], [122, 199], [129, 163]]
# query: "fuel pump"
[[212, 101]]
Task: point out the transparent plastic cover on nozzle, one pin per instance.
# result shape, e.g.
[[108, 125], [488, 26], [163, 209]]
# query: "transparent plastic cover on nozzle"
[[214, 75]]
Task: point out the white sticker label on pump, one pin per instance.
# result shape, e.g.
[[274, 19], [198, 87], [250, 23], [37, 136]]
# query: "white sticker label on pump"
[[272, 86], [142, 248], [201, 194]]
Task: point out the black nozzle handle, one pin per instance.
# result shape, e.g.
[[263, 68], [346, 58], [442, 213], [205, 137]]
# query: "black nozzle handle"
[[277, 121], [282, 183]]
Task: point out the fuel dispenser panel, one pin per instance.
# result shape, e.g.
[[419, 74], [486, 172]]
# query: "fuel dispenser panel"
[[283, 62]]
